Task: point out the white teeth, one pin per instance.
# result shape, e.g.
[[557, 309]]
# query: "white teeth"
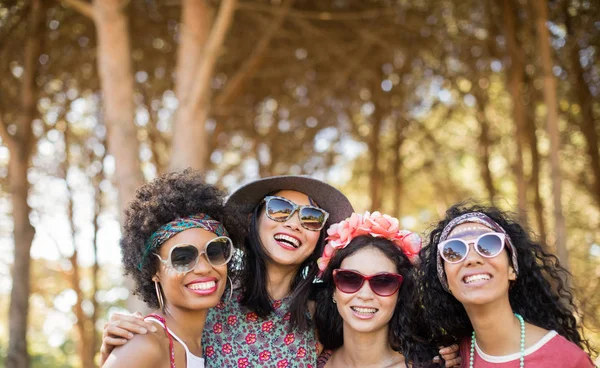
[[202, 285], [289, 239], [362, 310], [475, 278]]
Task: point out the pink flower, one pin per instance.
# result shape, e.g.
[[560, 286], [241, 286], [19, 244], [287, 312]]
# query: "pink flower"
[[375, 224], [231, 320], [243, 363], [301, 353], [264, 355], [411, 245], [210, 351], [289, 338], [218, 328], [252, 317], [282, 363], [226, 348], [250, 338], [267, 326], [382, 226]]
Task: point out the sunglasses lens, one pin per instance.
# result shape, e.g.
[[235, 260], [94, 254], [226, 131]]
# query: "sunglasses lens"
[[278, 209], [218, 251], [183, 259], [454, 251], [489, 245], [348, 282], [385, 284], [312, 218]]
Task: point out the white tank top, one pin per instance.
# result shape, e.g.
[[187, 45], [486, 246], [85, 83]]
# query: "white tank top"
[[191, 361]]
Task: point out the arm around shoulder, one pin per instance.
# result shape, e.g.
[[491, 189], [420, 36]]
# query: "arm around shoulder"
[[140, 351]]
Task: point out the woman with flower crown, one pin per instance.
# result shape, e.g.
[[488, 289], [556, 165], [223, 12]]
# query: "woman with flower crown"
[[366, 315], [493, 288]]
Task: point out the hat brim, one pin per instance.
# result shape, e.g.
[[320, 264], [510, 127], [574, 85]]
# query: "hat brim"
[[327, 197]]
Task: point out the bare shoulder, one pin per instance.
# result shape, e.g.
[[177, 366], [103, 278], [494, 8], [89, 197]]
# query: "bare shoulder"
[[149, 350]]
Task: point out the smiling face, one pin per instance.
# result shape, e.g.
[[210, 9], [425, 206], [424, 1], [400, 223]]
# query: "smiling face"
[[200, 288], [364, 311], [287, 243], [478, 280]]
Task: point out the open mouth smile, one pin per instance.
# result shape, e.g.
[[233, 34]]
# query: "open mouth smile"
[[287, 241]]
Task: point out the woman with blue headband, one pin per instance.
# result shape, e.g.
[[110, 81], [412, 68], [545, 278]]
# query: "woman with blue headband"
[[488, 284], [176, 248]]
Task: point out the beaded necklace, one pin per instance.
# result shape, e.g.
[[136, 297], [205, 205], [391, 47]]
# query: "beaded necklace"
[[522, 358]]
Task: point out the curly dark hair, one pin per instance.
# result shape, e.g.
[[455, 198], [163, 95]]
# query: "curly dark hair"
[[405, 326], [252, 277], [541, 281], [164, 199]]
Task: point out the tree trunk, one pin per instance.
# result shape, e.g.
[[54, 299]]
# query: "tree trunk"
[[585, 100], [21, 146], [82, 324], [515, 75], [538, 204], [397, 167], [552, 126], [375, 176], [189, 134], [484, 146], [116, 79]]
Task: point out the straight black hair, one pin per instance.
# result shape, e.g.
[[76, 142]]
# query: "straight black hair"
[[252, 278]]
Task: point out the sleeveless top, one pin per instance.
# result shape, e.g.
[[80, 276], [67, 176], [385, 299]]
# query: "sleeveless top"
[[191, 361], [235, 337]]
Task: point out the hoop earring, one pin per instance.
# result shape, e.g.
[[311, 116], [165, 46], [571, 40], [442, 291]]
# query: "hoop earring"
[[159, 296], [230, 290]]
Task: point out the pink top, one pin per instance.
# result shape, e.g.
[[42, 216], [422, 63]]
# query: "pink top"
[[552, 350]]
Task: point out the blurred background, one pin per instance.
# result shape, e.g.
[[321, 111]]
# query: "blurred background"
[[406, 106]]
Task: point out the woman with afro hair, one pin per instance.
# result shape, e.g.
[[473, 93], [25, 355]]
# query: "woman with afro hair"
[[486, 283], [176, 248]]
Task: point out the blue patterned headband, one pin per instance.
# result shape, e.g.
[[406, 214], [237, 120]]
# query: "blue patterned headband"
[[478, 218], [176, 226]]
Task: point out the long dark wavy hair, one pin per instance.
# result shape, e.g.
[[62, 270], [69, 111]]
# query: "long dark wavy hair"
[[405, 327], [541, 292], [252, 278]]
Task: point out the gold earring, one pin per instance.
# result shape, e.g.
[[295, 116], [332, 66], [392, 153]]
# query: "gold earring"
[[161, 302], [333, 300]]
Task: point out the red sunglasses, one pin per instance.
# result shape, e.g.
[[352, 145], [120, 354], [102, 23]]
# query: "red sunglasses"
[[382, 284]]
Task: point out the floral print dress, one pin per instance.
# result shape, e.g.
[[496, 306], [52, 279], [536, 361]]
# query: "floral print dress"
[[236, 337]]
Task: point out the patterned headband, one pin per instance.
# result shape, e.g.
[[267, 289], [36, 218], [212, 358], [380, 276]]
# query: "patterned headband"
[[176, 226], [374, 224], [478, 218]]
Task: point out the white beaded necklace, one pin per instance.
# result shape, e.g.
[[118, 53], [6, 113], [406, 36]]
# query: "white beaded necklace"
[[521, 360]]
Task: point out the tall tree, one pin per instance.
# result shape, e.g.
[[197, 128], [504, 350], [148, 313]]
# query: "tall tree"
[[189, 132], [585, 100], [21, 144], [515, 73], [550, 99], [116, 79]]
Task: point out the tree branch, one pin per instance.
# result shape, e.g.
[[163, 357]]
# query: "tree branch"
[[80, 6], [253, 63]]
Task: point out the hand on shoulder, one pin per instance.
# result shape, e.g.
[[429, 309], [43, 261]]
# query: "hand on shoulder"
[[148, 351]]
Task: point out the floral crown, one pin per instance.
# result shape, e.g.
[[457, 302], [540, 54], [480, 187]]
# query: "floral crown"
[[374, 224]]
